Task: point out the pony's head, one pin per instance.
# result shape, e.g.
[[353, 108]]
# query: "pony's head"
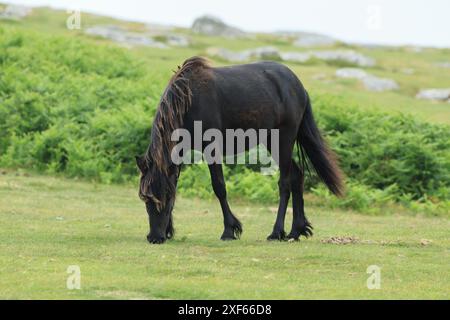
[[157, 190], [158, 173]]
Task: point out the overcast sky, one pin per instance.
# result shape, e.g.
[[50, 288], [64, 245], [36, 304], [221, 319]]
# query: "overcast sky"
[[420, 22]]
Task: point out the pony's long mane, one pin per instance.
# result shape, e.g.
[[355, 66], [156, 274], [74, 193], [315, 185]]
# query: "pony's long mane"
[[174, 103]]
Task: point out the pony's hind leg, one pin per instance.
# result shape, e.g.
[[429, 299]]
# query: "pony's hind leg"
[[300, 225], [233, 227], [284, 184], [170, 231]]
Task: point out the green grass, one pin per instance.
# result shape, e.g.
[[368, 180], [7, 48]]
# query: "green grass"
[[49, 223]]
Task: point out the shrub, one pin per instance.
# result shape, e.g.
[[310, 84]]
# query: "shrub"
[[382, 150]]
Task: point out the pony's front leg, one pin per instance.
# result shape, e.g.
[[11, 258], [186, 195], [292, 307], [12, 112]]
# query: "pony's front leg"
[[233, 227], [278, 232]]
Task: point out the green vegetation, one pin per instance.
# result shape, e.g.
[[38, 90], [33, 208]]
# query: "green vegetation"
[[50, 223], [70, 106]]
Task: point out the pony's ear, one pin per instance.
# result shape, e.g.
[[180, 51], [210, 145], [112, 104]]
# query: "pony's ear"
[[141, 163]]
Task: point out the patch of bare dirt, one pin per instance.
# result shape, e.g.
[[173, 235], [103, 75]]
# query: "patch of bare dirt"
[[340, 240]]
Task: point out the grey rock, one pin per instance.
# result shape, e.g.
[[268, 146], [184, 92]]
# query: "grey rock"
[[434, 94], [119, 35], [351, 73], [212, 26], [373, 83], [306, 39], [177, 40], [295, 56], [314, 40], [263, 53], [272, 53], [348, 56], [227, 55], [445, 65], [370, 82], [15, 12]]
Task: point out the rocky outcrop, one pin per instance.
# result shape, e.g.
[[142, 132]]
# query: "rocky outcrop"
[[351, 73], [373, 83], [307, 39], [445, 65], [272, 53], [177, 40], [15, 12], [212, 26], [370, 82], [434, 94], [346, 56], [295, 56], [125, 37], [227, 55], [119, 35], [263, 53], [314, 40]]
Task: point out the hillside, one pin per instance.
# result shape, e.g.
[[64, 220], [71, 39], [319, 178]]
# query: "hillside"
[[411, 67]]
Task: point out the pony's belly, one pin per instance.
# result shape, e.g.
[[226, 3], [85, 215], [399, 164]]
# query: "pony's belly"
[[250, 117]]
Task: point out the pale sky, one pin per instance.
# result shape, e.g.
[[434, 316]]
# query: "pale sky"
[[414, 22]]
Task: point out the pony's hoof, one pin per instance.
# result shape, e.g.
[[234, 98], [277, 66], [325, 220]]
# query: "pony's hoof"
[[233, 232], [306, 230], [156, 240], [228, 235], [277, 236], [228, 238]]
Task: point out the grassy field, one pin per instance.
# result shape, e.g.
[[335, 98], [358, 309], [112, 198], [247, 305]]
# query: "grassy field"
[[49, 223]]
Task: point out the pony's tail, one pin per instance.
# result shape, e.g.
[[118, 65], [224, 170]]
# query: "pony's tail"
[[316, 149]]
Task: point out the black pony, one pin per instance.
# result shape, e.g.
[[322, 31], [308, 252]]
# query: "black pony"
[[263, 95]]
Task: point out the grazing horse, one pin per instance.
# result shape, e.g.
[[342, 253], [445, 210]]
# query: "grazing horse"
[[263, 95]]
